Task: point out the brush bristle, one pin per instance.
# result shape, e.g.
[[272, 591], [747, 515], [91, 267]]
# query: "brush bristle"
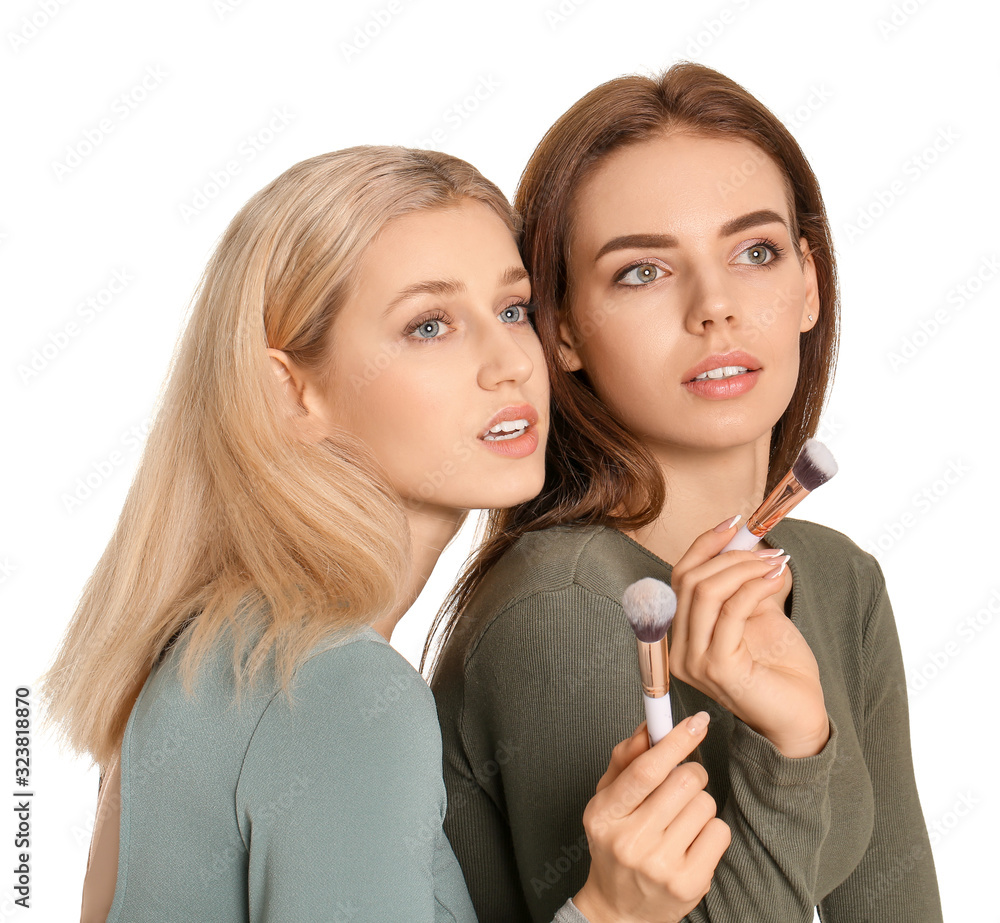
[[649, 607], [815, 465]]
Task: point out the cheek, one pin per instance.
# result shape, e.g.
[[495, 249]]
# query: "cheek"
[[776, 318]]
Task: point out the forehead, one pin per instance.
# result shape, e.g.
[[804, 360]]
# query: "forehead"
[[435, 239], [676, 183]]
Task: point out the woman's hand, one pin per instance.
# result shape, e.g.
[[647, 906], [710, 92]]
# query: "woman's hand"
[[735, 644], [654, 838]]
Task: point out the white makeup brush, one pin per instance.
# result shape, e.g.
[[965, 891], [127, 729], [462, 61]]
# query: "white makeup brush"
[[649, 607], [814, 467]]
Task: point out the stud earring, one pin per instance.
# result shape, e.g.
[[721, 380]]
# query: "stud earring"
[[810, 317]]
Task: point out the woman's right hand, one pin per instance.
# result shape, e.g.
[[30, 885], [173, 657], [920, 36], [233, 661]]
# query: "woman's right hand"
[[654, 838], [731, 641]]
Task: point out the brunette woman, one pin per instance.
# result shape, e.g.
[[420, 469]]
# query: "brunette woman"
[[687, 303]]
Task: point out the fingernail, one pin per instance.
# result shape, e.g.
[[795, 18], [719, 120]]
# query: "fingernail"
[[728, 524], [769, 552], [699, 722], [777, 573]]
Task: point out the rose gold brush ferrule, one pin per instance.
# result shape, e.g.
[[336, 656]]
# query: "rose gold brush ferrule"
[[777, 505], [653, 667]]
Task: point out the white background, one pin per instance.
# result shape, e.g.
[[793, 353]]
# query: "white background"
[[867, 88]]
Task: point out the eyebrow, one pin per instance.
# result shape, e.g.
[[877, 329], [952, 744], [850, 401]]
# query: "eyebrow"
[[510, 276], [665, 241]]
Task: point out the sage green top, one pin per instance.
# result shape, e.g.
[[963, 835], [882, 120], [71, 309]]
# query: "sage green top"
[[325, 809], [541, 680]]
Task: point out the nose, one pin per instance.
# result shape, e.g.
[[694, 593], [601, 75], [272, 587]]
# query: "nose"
[[711, 300], [503, 355]]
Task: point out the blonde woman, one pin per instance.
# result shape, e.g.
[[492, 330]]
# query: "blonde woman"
[[338, 403]]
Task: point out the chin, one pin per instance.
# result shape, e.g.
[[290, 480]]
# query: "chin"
[[511, 492]]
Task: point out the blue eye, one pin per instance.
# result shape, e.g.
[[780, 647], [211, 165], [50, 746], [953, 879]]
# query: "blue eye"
[[430, 324], [641, 274], [526, 306]]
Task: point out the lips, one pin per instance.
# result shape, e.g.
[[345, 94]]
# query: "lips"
[[721, 360], [513, 412]]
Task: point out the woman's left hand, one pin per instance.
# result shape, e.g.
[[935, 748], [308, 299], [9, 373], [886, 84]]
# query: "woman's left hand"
[[732, 641]]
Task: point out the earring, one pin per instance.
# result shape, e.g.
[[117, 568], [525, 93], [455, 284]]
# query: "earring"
[[810, 317]]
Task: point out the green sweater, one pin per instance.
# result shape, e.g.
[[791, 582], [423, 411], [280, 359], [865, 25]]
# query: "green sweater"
[[541, 680], [328, 810]]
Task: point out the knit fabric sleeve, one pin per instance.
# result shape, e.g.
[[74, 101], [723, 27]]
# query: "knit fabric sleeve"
[[340, 799], [895, 879], [528, 726]]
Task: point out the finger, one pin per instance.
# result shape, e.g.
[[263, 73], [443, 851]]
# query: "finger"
[[710, 844], [707, 545], [623, 754], [731, 624], [707, 598], [684, 584], [688, 823], [649, 769], [668, 800]]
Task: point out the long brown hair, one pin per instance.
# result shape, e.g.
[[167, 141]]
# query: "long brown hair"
[[596, 471], [231, 519]]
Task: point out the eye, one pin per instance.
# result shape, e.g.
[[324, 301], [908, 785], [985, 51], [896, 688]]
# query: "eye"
[[762, 253], [519, 316], [640, 274], [426, 327]]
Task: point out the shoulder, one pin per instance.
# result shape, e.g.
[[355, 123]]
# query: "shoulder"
[[355, 701], [555, 590], [348, 765], [833, 560]]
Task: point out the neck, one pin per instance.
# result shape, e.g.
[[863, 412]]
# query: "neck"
[[431, 528], [704, 487]]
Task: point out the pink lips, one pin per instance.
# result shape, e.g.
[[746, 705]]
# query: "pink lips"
[[524, 444], [720, 389]]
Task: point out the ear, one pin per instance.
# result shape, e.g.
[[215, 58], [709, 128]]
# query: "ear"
[[305, 409], [566, 340], [811, 305]]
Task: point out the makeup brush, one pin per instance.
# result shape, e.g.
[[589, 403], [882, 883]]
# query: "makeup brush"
[[814, 467], [649, 607]]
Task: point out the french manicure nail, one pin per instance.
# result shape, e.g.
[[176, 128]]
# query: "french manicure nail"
[[770, 552], [728, 524], [699, 722], [777, 573]]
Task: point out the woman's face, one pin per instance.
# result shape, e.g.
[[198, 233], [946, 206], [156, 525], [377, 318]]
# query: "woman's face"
[[681, 263], [435, 345]]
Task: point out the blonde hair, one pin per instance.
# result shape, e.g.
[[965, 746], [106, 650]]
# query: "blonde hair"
[[231, 519]]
